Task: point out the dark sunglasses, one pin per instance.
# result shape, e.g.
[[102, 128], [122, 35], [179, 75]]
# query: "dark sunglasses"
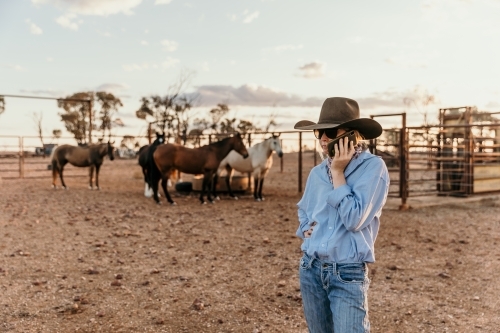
[[331, 133]]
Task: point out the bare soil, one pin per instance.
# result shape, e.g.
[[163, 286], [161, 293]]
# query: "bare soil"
[[114, 261]]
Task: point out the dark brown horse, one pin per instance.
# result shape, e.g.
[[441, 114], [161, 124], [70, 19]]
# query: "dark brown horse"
[[147, 163], [91, 156], [204, 160]]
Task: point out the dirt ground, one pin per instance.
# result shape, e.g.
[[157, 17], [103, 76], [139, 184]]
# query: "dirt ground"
[[113, 261]]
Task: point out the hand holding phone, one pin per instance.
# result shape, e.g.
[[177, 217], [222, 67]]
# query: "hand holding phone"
[[331, 145]]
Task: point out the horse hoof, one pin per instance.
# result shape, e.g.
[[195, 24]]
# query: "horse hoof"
[[236, 198], [91, 188], [173, 203], [203, 202], [257, 199]]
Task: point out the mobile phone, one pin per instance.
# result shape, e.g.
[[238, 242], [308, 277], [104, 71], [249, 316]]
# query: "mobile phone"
[[352, 138]]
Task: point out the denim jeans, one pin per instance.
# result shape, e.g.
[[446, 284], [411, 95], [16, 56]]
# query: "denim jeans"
[[334, 296]]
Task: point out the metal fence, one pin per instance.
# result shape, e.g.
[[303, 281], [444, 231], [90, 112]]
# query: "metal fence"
[[439, 160]]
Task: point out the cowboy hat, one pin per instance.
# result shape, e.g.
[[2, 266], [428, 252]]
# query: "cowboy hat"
[[341, 112]]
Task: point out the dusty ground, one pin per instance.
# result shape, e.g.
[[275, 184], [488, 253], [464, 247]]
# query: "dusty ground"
[[113, 261]]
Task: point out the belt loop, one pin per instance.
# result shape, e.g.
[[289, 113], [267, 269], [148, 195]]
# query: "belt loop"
[[334, 266], [311, 261]]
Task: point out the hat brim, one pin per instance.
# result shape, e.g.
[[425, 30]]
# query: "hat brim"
[[367, 127]]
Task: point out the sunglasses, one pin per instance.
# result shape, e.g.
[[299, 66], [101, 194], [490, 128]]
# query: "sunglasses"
[[331, 133]]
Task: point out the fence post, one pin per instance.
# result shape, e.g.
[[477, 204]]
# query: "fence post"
[[21, 158], [281, 159], [403, 166], [300, 162]]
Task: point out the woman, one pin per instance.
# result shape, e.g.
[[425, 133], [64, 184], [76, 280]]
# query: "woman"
[[339, 220]]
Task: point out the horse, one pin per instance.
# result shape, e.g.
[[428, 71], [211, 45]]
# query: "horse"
[[91, 156], [258, 163], [203, 160], [147, 163]]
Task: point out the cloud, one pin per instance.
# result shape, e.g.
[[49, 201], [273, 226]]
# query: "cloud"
[[17, 68], [34, 29], [312, 70], [113, 88], [162, 2], [143, 42], [247, 17], [406, 63], [66, 21], [250, 17], [169, 45], [49, 59], [93, 7], [392, 98], [288, 47], [135, 67], [251, 95], [493, 105], [169, 62]]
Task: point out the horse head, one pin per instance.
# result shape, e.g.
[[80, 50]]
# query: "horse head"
[[160, 138], [275, 145], [238, 145], [111, 150]]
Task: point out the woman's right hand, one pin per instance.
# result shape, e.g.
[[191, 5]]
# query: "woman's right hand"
[[308, 232]]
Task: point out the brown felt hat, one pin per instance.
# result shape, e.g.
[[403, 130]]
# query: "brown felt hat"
[[343, 113]]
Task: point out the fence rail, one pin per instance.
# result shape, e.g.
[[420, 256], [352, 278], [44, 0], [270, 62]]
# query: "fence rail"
[[444, 160]]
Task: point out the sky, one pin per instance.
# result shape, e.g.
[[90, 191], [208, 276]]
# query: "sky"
[[263, 58]]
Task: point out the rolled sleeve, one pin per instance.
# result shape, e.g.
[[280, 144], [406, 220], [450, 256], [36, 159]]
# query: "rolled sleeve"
[[337, 195]]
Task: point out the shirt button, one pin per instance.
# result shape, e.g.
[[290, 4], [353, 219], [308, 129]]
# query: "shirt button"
[[323, 245]]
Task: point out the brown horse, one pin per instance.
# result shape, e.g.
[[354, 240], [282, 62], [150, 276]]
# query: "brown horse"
[[203, 160], [91, 156]]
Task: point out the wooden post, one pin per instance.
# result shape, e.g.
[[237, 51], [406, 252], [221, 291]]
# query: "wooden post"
[[282, 157], [149, 133], [90, 121], [315, 153], [21, 157], [300, 162]]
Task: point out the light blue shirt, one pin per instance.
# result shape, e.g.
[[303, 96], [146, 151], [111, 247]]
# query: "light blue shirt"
[[347, 217]]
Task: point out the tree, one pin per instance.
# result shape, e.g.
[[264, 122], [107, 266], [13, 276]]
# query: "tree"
[[56, 133], [170, 112], [128, 141], [421, 100], [37, 118], [109, 106], [78, 114]]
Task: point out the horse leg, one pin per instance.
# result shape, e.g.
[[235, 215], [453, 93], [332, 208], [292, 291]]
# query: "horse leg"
[[164, 181], [204, 186], [61, 176], [213, 186], [261, 184], [91, 174], [229, 180], [256, 188], [55, 171], [154, 186], [97, 168], [147, 188]]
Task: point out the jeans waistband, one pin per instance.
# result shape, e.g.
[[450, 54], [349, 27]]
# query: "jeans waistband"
[[329, 265]]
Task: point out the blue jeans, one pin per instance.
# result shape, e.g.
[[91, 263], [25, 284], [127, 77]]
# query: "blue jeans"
[[334, 296]]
